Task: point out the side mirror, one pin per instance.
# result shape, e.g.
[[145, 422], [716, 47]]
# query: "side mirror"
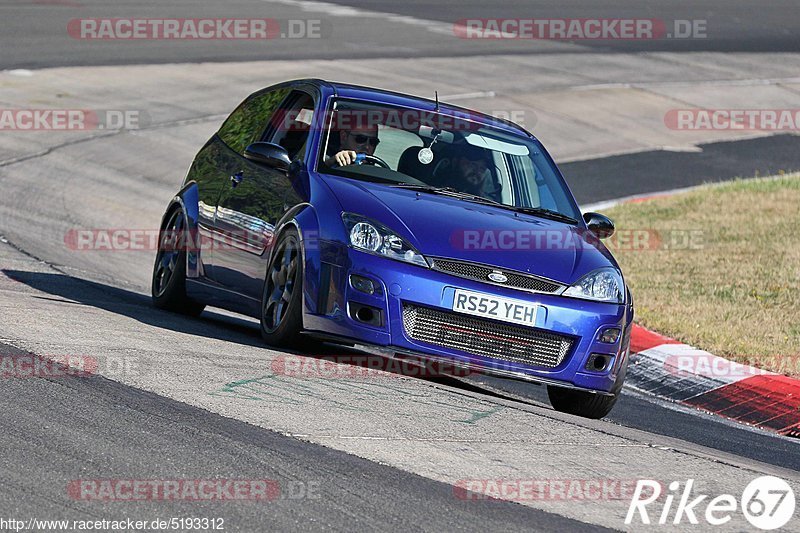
[[268, 154], [600, 225], [295, 168], [299, 179]]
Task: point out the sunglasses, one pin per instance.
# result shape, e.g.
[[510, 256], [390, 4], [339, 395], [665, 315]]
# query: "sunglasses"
[[363, 139]]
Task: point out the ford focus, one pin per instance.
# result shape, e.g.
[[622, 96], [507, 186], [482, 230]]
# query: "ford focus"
[[404, 225]]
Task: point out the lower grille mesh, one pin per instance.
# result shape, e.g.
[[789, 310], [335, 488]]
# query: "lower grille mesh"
[[478, 336]]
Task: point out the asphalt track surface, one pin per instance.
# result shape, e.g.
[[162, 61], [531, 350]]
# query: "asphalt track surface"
[[152, 437], [57, 430], [33, 34], [732, 25], [619, 176], [633, 409]]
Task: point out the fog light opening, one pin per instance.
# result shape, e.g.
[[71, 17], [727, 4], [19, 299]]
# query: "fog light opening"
[[365, 314], [598, 362]]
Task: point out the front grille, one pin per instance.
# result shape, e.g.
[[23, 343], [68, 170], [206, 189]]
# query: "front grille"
[[506, 342], [477, 272]]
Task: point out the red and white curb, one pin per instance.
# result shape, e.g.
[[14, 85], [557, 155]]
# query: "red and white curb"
[[681, 373]]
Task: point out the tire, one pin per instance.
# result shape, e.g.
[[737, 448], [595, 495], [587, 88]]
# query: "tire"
[[168, 286], [580, 403], [281, 301], [586, 404]]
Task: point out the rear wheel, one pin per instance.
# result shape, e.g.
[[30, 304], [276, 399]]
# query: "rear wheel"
[[168, 286], [281, 303]]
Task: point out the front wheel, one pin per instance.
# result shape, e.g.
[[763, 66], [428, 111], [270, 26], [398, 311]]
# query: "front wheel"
[[580, 403], [281, 302], [587, 404]]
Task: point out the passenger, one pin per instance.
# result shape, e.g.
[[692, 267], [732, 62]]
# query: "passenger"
[[468, 171]]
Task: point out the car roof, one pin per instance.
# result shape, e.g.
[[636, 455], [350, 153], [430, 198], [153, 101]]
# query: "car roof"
[[360, 92]]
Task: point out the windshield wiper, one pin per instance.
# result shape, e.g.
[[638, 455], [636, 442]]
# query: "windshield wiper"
[[547, 213], [449, 191], [538, 211], [425, 188]]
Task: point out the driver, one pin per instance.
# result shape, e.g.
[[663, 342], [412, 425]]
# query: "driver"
[[357, 140]]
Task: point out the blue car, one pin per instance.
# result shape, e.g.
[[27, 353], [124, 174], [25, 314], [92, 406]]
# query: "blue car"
[[409, 226]]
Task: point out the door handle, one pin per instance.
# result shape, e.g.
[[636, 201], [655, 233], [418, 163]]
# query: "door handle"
[[236, 179]]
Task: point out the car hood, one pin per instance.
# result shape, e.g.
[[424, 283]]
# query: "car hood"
[[442, 226]]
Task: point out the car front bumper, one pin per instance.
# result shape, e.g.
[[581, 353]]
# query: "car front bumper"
[[401, 285]]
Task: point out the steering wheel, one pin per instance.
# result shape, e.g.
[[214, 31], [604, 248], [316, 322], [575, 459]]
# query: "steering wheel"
[[377, 160]]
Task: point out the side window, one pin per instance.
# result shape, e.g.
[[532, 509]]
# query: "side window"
[[292, 125], [525, 175], [246, 124]]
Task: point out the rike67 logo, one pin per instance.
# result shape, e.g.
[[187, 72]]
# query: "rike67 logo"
[[767, 503]]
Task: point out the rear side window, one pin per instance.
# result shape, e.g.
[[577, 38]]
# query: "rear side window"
[[291, 127], [248, 122]]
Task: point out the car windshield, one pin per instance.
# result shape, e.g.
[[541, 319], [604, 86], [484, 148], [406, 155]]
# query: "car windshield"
[[444, 154]]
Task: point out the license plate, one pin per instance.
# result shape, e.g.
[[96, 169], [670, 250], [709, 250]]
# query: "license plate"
[[498, 308]]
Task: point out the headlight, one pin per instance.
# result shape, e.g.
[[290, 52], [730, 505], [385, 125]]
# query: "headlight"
[[374, 237], [603, 285]]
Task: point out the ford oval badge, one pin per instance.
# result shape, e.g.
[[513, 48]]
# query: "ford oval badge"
[[497, 276]]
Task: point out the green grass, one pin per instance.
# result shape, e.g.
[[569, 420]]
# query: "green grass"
[[736, 291]]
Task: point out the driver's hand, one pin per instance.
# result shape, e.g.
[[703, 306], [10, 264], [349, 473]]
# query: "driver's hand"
[[345, 157]]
